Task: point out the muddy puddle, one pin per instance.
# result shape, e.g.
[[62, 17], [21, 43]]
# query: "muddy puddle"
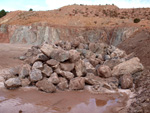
[[30, 100]]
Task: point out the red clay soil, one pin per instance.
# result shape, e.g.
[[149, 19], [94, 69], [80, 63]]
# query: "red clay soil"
[[140, 45], [80, 16]]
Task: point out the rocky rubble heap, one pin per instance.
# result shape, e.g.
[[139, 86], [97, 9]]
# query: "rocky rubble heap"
[[75, 65]]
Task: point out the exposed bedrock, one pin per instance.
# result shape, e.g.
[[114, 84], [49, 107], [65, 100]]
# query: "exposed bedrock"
[[37, 34]]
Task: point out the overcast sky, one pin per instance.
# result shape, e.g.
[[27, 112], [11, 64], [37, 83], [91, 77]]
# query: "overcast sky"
[[11, 5]]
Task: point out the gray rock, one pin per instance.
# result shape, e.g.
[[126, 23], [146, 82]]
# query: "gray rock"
[[60, 55], [104, 71], [22, 57], [68, 75], [80, 68], [41, 57], [25, 82], [126, 81], [107, 57], [12, 83], [128, 67], [8, 76], [37, 65], [47, 49], [77, 83], [74, 55], [63, 84], [93, 47], [89, 68], [112, 63], [67, 66], [91, 79], [53, 63], [35, 75], [47, 70], [54, 78], [46, 86], [24, 71]]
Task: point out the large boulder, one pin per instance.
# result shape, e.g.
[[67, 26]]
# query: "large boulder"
[[47, 49], [46, 86], [60, 55], [63, 84], [24, 71], [47, 70], [128, 67], [74, 55], [35, 75], [104, 71], [77, 83], [67, 66], [12, 83], [126, 81], [80, 68]]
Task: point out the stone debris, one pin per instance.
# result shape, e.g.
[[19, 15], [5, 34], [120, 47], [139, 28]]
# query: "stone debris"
[[12, 83], [75, 65]]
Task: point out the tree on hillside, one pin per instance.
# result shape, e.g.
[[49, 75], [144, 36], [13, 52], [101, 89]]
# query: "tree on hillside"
[[2, 13], [30, 9]]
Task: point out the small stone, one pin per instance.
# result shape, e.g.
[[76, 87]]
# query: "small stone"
[[67, 66], [93, 47], [22, 57], [63, 84], [53, 63], [54, 78], [47, 70], [37, 65], [107, 57], [35, 75], [41, 57], [12, 83], [77, 83], [104, 71], [46, 86]]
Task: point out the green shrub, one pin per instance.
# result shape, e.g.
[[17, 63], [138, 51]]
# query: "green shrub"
[[137, 20], [2, 13], [30, 9]]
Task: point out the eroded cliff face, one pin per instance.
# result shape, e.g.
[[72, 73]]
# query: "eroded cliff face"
[[37, 34]]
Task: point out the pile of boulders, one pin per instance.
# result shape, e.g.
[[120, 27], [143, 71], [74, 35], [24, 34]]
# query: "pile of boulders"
[[75, 65]]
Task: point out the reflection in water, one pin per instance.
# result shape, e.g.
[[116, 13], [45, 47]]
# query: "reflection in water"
[[94, 106], [15, 105], [34, 101]]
